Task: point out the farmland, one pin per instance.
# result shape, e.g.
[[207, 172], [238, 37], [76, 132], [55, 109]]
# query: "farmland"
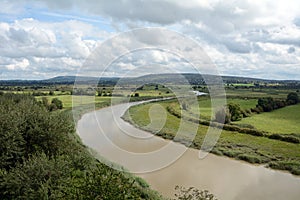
[[238, 144], [268, 138], [285, 120]]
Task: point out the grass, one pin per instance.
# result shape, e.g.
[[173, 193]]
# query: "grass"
[[78, 100], [257, 93], [205, 108], [285, 120], [232, 144]]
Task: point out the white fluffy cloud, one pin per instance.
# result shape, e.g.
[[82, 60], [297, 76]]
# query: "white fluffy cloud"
[[48, 49], [247, 38], [23, 64]]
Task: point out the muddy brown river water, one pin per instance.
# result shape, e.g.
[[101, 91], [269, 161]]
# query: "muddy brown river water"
[[155, 160]]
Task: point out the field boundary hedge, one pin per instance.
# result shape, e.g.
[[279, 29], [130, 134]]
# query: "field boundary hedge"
[[228, 127]]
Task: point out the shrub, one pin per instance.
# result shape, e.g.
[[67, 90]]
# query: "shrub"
[[288, 138], [292, 98], [172, 111], [249, 158], [257, 109], [58, 103], [252, 132], [235, 112], [192, 193], [245, 126], [292, 166], [246, 113], [267, 104]]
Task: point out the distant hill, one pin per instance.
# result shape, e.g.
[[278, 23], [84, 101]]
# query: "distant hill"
[[196, 79], [170, 78], [68, 80]]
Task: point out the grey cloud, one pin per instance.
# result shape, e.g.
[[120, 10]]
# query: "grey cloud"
[[297, 21], [221, 16], [19, 35], [238, 47], [285, 41], [291, 50], [240, 34]]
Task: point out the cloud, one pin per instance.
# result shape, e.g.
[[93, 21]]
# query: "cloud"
[[23, 64], [245, 38], [45, 48], [291, 50], [219, 15], [11, 7]]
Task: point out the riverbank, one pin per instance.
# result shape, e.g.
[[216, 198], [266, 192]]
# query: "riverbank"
[[226, 178], [259, 150]]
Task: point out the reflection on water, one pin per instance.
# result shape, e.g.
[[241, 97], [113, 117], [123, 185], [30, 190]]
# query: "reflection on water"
[[113, 138]]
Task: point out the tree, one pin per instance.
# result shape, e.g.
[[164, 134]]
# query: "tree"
[[229, 113], [58, 103], [292, 98], [235, 112], [41, 158], [267, 104], [45, 102]]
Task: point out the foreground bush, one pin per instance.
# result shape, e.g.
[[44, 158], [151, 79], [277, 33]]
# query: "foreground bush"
[[192, 193], [41, 158], [286, 138]]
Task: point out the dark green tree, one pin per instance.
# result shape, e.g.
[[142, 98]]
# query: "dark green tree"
[[58, 103], [235, 111], [267, 104], [292, 98]]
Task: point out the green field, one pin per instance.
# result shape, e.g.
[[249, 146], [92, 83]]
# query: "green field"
[[253, 149], [257, 93], [284, 120], [204, 104], [69, 99]]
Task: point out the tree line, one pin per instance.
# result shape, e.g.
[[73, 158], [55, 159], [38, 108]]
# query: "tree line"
[[233, 112]]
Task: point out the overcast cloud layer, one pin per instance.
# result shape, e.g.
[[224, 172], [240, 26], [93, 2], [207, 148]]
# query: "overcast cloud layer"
[[42, 39]]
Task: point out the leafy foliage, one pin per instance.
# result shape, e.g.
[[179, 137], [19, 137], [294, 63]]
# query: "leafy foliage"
[[235, 112], [292, 98], [41, 158], [192, 193], [268, 104], [58, 103], [229, 113]]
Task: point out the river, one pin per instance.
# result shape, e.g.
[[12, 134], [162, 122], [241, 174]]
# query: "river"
[[105, 132]]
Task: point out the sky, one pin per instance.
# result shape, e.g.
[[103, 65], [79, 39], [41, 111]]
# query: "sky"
[[47, 38]]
